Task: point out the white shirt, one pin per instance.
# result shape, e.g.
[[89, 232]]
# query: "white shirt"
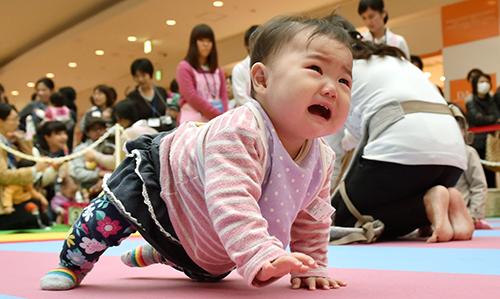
[[241, 81], [391, 39], [418, 138]]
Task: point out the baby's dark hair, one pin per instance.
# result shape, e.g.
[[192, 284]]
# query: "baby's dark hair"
[[270, 38], [57, 99]]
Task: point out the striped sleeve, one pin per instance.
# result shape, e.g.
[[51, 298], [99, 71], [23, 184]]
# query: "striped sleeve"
[[234, 170], [310, 236]]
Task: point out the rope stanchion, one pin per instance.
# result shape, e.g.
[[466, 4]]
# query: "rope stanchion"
[[118, 144], [117, 129]]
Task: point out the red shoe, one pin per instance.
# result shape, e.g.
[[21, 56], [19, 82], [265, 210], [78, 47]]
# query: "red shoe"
[[481, 224]]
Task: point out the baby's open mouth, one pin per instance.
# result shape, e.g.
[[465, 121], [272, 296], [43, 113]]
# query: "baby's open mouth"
[[320, 110]]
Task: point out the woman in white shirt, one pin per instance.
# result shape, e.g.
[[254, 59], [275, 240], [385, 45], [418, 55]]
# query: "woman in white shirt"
[[411, 152], [375, 18]]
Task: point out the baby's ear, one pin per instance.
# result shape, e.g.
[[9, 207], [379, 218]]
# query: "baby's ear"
[[258, 75]]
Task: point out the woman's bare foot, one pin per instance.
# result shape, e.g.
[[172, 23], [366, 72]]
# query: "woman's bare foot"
[[461, 221], [436, 202]]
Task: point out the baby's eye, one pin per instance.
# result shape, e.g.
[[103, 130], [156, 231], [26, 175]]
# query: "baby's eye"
[[346, 82], [316, 69]]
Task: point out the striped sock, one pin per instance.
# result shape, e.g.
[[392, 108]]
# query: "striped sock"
[[141, 256], [60, 279]]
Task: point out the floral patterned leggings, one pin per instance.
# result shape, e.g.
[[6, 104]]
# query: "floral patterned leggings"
[[99, 226]]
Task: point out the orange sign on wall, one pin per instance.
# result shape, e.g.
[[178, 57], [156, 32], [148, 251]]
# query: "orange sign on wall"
[[461, 89], [469, 21]]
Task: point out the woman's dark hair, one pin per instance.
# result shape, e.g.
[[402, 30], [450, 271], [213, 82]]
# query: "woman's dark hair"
[[376, 5], [3, 97], [57, 99], [201, 31], [5, 110], [47, 82], [417, 61], [475, 79], [142, 65], [46, 129], [174, 86], [473, 73], [363, 49], [126, 109], [248, 34], [108, 91]]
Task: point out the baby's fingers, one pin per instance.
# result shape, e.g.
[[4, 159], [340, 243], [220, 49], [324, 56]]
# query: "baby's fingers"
[[305, 259]]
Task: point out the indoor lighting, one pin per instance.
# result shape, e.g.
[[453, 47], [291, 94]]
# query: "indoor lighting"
[[99, 52], [158, 75], [218, 3], [170, 22], [148, 46], [72, 64], [132, 38], [50, 75], [442, 78], [30, 84], [14, 93]]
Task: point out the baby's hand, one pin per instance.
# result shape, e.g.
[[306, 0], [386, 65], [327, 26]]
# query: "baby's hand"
[[316, 282], [294, 262]]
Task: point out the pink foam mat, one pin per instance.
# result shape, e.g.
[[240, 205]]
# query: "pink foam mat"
[[110, 279]]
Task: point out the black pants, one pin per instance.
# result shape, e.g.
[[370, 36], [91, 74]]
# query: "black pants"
[[392, 193]]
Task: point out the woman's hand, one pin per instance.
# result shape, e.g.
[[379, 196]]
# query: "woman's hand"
[[41, 166], [15, 136], [89, 156]]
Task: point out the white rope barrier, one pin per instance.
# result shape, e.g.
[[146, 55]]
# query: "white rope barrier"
[[117, 129], [490, 163]]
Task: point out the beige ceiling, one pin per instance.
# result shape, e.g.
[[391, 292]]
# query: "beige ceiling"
[[43, 36]]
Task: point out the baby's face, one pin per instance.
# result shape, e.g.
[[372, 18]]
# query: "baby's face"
[[308, 88]]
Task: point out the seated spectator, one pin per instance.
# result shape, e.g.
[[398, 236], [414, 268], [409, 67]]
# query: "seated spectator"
[[472, 184], [15, 216], [89, 175], [52, 142], [52, 139], [64, 197], [102, 99], [127, 117]]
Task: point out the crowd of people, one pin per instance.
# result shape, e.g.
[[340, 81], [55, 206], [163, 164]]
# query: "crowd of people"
[[251, 167]]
